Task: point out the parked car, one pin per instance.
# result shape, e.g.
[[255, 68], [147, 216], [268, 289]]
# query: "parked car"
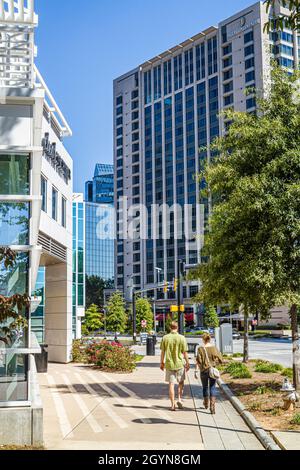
[[236, 334]]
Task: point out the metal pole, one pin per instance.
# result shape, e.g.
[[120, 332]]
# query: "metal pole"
[[180, 298], [134, 316]]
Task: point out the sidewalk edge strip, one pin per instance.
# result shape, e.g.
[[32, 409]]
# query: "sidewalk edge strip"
[[256, 428]]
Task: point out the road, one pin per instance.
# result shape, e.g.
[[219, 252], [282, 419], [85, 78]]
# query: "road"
[[273, 350]]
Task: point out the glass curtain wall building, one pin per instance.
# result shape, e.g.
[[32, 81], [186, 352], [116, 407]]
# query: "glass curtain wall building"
[[78, 294], [101, 189], [100, 236], [167, 112]]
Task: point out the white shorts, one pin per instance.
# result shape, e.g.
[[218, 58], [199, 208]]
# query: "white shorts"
[[175, 376]]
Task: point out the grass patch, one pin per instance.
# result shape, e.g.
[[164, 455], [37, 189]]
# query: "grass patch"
[[288, 373], [237, 355], [263, 390], [238, 370], [296, 419], [139, 358], [256, 406], [265, 367]]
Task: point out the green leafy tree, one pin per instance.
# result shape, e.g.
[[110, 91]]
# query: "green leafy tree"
[[116, 318], [144, 312], [12, 318], [211, 318], [93, 319], [279, 21], [95, 287], [253, 246]]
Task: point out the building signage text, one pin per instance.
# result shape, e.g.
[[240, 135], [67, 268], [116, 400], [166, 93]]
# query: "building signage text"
[[53, 157], [244, 26]]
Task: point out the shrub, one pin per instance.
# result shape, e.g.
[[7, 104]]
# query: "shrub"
[[267, 367], [78, 351], [288, 373], [263, 390], [111, 356], [237, 355], [256, 406], [238, 370], [296, 419]]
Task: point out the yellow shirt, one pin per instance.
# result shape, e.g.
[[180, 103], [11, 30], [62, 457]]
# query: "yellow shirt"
[[174, 346]]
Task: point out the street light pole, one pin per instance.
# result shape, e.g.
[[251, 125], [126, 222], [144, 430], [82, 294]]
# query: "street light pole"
[[134, 315], [156, 282], [180, 297]]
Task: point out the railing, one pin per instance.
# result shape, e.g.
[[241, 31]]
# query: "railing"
[[18, 11]]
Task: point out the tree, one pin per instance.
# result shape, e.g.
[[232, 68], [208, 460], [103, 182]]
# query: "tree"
[[116, 313], [144, 312], [12, 319], [211, 318], [95, 287], [93, 319], [279, 21], [253, 246]]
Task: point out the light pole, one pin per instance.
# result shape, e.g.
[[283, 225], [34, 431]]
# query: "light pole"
[[157, 272]]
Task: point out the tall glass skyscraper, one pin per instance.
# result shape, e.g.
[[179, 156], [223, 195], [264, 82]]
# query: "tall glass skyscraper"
[[167, 112], [101, 189], [100, 223]]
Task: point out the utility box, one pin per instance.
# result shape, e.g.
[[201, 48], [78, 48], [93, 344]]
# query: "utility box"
[[224, 340]]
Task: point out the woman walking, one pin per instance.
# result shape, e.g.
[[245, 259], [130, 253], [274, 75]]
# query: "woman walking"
[[208, 357]]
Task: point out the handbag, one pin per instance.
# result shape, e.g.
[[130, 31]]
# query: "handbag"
[[213, 371]]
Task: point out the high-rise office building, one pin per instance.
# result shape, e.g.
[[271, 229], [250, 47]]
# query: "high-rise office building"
[[167, 112], [100, 223], [101, 189]]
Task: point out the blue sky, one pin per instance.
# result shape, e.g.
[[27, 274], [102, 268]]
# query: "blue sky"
[[84, 45]]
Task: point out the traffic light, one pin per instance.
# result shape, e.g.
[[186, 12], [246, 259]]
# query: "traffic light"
[[166, 287], [175, 285]]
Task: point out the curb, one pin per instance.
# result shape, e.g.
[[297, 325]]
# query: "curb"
[[255, 427]]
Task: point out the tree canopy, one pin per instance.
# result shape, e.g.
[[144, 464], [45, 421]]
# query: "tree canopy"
[[116, 317], [278, 22], [95, 287], [253, 246], [144, 312]]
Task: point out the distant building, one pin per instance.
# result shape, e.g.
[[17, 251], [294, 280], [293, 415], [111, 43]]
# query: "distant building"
[[78, 305], [100, 223], [101, 189]]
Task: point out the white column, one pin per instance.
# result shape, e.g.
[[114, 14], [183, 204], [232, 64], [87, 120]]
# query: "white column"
[[58, 312]]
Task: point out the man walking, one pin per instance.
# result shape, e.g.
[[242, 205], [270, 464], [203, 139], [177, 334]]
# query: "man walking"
[[175, 361]]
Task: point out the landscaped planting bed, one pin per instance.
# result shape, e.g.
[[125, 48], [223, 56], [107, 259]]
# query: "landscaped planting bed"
[[258, 385]]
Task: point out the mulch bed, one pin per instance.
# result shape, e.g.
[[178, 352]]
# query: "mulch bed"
[[267, 407]]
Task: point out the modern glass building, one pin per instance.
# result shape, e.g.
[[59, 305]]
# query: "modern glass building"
[[78, 294], [100, 239], [167, 112], [101, 189]]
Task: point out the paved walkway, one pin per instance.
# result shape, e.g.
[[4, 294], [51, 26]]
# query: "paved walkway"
[[89, 409]]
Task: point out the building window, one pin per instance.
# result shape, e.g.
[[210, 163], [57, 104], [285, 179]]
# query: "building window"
[[14, 174], [189, 66], [200, 61], [227, 62], [250, 76], [227, 49], [228, 100], [248, 37], [44, 192], [227, 75], [178, 72], [249, 63], [228, 87], [249, 50], [168, 77], [250, 103], [63, 212], [148, 87], [54, 203], [14, 223], [157, 82]]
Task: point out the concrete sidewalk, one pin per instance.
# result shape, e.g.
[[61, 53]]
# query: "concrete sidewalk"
[[88, 409]]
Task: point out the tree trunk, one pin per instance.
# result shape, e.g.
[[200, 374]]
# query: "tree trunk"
[[296, 349], [246, 338]]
